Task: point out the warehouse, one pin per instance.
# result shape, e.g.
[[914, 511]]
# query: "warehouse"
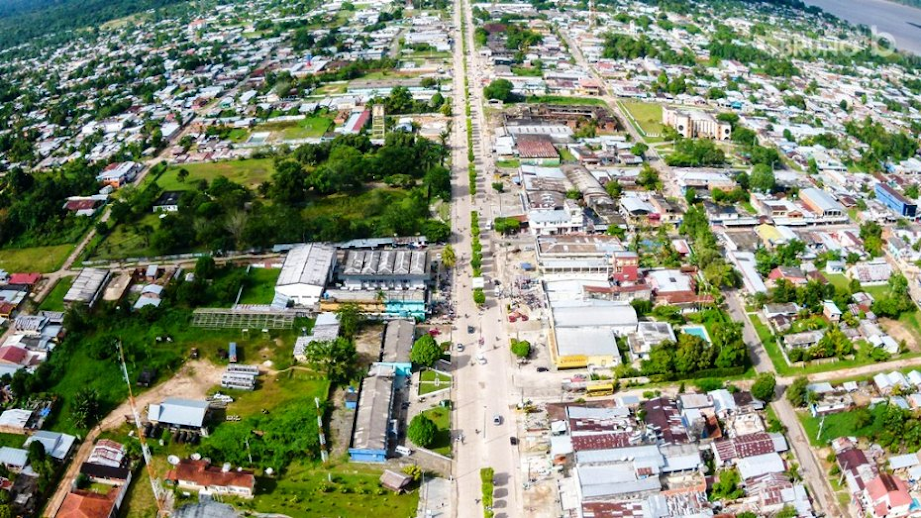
[[385, 269], [87, 287], [585, 331], [371, 436], [307, 269]]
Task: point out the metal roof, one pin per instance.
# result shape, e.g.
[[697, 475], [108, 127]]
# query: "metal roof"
[[373, 416], [398, 340], [87, 285], [181, 412], [13, 456], [308, 263]]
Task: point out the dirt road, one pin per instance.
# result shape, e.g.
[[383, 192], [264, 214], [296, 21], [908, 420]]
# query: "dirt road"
[[193, 380]]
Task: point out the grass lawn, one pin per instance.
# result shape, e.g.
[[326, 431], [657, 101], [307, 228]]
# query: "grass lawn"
[[559, 99], [305, 492], [566, 155], [332, 88], [514, 163], [311, 127], [12, 440], [139, 502], [127, 240], [250, 172], [54, 301], [363, 207], [527, 72], [261, 289], [42, 259], [238, 135], [648, 116], [442, 418], [430, 381], [838, 425]]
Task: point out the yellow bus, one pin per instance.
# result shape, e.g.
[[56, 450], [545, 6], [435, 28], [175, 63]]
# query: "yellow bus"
[[600, 389]]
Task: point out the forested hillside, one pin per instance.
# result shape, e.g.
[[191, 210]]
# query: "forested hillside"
[[22, 20]]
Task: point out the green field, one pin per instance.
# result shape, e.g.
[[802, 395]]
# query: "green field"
[[354, 207], [311, 127], [54, 301], [129, 240], [428, 383], [648, 116], [839, 425], [514, 163], [261, 286], [42, 259], [442, 418], [250, 172]]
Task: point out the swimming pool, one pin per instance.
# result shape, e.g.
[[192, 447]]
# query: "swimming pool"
[[699, 331]]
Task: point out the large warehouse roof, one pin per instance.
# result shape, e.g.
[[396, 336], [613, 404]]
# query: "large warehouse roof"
[[385, 263], [309, 263]]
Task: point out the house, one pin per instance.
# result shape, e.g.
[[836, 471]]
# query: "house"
[[201, 476], [16, 420], [90, 504], [185, 414], [326, 327], [167, 202], [744, 446], [887, 496], [307, 269], [870, 273], [788, 310], [24, 279], [895, 201], [118, 174], [150, 296], [108, 453], [803, 340], [858, 471], [57, 445], [790, 274], [87, 287], [648, 335], [830, 311], [886, 383], [14, 459]]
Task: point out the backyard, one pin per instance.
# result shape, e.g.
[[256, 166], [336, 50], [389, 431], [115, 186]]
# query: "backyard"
[[839, 425], [310, 127], [42, 259]]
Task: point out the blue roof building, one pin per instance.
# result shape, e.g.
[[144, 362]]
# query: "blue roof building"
[[896, 201]]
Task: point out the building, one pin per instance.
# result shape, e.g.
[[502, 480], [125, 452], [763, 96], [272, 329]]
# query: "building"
[[696, 124], [647, 336], [537, 150], [57, 445], [185, 414], [90, 504], [168, 201], [399, 336], [895, 201], [118, 174], [87, 287], [585, 332], [887, 496], [371, 435], [821, 203], [326, 327], [201, 476], [307, 269], [400, 269]]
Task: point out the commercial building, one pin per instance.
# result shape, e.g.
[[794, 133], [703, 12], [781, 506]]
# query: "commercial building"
[[385, 269], [895, 201], [185, 414], [307, 269], [87, 287], [398, 341], [585, 331], [821, 203], [696, 124], [372, 431]]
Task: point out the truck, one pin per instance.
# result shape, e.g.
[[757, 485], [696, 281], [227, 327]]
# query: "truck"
[[232, 352]]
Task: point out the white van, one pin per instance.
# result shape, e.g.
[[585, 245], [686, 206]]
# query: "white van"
[[404, 451]]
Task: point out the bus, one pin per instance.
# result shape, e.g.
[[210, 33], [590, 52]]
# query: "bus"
[[600, 389]]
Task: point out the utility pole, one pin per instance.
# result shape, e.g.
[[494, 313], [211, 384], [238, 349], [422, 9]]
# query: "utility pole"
[[159, 496], [324, 455]]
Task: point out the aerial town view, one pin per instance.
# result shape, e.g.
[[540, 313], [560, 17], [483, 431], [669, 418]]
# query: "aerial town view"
[[460, 259]]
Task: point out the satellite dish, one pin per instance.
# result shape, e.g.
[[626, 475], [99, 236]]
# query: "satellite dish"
[[269, 471], [173, 460], [196, 456]]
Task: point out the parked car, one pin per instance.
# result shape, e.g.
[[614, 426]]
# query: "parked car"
[[513, 441], [497, 419], [460, 348], [470, 329], [542, 369]]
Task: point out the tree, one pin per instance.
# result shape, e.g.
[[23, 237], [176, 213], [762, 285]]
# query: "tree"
[[479, 297], [182, 175], [639, 149], [36, 454], [762, 178], [86, 407], [727, 487], [500, 89], [336, 358], [521, 348], [205, 267], [413, 471], [448, 258], [425, 351], [350, 319], [422, 431], [764, 385], [796, 392]]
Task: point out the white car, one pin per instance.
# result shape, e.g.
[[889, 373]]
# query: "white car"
[[497, 420], [481, 358]]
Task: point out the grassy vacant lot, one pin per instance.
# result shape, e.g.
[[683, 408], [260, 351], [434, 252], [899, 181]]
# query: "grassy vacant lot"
[[442, 418], [250, 172], [90, 361], [54, 301], [648, 116], [139, 501], [839, 425], [305, 492], [42, 259], [128, 240], [430, 381], [261, 289], [311, 127], [351, 207]]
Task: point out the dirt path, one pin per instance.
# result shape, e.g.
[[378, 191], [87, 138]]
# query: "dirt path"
[[193, 380]]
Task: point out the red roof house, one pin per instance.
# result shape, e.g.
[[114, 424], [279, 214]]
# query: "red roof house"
[[13, 354], [87, 504], [888, 496], [28, 279]]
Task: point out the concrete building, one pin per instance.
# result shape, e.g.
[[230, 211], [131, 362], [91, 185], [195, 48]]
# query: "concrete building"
[[895, 201], [385, 269], [821, 203], [585, 331], [398, 341], [201, 476], [307, 269], [696, 124]]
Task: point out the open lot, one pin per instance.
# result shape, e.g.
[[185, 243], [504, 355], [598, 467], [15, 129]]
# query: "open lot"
[[648, 116], [260, 287], [250, 172], [311, 127], [839, 425], [42, 259], [54, 301], [129, 240]]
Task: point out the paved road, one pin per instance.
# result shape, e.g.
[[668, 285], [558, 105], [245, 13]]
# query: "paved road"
[[482, 391]]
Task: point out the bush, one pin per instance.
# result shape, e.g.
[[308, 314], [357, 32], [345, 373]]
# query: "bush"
[[479, 297], [521, 348]]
